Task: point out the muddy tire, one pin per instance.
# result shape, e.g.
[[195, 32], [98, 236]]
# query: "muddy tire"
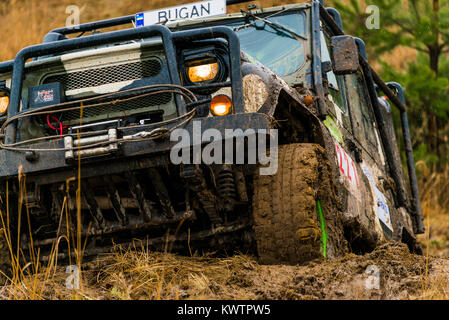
[[286, 223]]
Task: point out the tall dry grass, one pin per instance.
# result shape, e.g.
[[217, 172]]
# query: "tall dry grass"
[[29, 277], [434, 195], [434, 189]]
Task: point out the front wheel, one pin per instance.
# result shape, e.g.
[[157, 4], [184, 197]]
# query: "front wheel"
[[295, 219]]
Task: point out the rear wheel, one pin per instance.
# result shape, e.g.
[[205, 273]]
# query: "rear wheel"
[[288, 227]]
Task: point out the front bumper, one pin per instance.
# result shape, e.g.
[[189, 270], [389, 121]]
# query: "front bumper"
[[51, 167]]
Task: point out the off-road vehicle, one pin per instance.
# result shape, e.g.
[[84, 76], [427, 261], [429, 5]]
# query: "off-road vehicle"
[[87, 138]]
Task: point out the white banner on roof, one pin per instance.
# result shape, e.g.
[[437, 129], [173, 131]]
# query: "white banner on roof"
[[189, 11]]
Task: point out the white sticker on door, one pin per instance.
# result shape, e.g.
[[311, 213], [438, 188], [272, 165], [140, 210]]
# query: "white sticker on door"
[[347, 166]]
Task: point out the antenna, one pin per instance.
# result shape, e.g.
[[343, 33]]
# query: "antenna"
[[231, 2]]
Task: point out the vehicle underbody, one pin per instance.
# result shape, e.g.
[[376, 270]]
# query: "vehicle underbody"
[[181, 208]]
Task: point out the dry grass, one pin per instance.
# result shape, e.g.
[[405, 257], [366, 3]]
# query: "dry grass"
[[142, 274], [434, 197], [434, 188], [436, 285], [139, 274]]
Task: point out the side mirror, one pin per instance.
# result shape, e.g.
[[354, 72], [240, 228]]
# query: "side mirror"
[[345, 55]]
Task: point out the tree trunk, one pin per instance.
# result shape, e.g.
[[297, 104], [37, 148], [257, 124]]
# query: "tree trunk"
[[433, 143], [434, 57]]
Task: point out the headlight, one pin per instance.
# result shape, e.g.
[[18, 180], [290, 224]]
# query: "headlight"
[[203, 72], [4, 103], [221, 105]]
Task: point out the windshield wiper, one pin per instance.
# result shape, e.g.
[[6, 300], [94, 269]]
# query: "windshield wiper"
[[273, 24]]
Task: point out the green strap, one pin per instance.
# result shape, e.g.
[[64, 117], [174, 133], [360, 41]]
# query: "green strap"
[[323, 229]]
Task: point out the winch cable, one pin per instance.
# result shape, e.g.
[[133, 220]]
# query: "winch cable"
[[45, 110], [192, 112], [105, 131], [151, 134], [139, 137], [39, 112]]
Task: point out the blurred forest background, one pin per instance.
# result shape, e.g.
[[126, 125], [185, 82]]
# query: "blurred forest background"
[[410, 47]]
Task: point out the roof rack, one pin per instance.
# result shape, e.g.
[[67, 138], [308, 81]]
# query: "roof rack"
[[6, 66], [91, 26]]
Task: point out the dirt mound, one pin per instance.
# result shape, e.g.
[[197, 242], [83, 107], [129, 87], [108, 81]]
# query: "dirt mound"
[[400, 276]]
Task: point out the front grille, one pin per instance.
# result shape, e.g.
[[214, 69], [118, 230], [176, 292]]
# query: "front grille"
[[111, 74], [119, 109]]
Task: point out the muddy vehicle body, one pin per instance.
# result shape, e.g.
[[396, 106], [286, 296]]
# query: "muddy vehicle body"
[[86, 144]]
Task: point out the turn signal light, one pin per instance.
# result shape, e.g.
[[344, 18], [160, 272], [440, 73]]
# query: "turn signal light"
[[4, 103], [221, 105]]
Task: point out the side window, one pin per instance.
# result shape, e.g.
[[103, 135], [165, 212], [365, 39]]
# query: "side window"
[[336, 84], [361, 107]]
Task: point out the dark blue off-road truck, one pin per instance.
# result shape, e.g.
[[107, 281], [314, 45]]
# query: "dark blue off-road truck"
[[87, 123]]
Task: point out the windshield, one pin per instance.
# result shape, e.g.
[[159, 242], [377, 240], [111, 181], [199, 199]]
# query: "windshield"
[[276, 48]]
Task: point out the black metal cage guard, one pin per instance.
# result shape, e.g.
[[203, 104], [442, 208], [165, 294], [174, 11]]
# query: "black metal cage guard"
[[169, 40], [395, 167]]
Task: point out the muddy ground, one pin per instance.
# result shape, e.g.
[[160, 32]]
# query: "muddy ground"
[[149, 275]]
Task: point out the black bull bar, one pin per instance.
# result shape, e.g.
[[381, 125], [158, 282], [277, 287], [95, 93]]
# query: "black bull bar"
[[169, 40]]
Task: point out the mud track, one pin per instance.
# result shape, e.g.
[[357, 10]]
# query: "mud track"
[[149, 275]]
